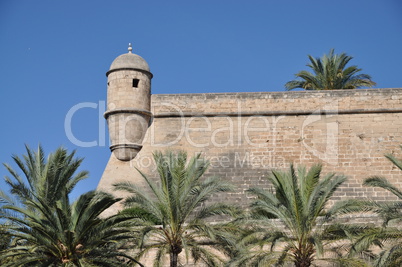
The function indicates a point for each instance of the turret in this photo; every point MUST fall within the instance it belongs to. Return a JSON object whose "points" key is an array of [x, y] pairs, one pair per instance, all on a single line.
{"points": [[128, 104]]}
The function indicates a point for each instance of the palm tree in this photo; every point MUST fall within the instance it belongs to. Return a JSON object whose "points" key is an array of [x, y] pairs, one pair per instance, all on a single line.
{"points": [[172, 219], [330, 72], [5, 241], [391, 214], [47, 229], [5, 237], [290, 222]]}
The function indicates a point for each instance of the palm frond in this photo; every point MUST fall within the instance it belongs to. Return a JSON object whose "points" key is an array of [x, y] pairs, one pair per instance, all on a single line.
{"points": [[293, 216], [179, 204], [46, 228], [330, 72]]}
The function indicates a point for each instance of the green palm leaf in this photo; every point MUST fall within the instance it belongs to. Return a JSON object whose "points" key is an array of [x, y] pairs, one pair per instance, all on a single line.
{"points": [[47, 229], [330, 72], [387, 238], [174, 218], [289, 223]]}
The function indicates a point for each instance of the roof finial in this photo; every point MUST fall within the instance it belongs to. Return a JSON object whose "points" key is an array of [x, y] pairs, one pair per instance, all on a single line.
{"points": [[130, 48]]}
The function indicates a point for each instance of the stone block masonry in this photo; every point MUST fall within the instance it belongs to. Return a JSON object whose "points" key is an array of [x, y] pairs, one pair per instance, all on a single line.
{"points": [[245, 135]]}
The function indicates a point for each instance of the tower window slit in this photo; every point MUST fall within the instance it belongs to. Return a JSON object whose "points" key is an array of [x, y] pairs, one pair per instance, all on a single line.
{"points": [[135, 83]]}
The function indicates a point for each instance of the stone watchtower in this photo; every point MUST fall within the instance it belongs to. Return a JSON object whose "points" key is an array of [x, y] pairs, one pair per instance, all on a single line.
{"points": [[128, 104], [128, 116]]}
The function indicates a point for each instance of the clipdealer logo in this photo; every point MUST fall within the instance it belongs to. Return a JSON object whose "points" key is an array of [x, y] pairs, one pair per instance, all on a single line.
{"points": [[318, 133]]}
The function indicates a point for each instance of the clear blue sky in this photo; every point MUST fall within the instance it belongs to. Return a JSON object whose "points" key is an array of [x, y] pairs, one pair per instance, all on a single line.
{"points": [[54, 55]]}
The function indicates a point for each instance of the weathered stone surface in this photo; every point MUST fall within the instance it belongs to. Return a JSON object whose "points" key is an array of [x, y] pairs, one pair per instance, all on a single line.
{"points": [[245, 135]]}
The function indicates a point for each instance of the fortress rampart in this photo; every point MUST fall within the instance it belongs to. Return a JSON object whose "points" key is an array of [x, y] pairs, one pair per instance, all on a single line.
{"points": [[245, 135]]}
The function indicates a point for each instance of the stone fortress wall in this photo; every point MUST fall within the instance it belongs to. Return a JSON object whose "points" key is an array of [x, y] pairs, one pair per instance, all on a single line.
{"points": [[245, 135]]}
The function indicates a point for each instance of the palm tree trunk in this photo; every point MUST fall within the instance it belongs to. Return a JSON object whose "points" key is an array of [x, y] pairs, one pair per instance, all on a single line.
{"points": [[303, 263], [173, 259], [304, 257]]}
